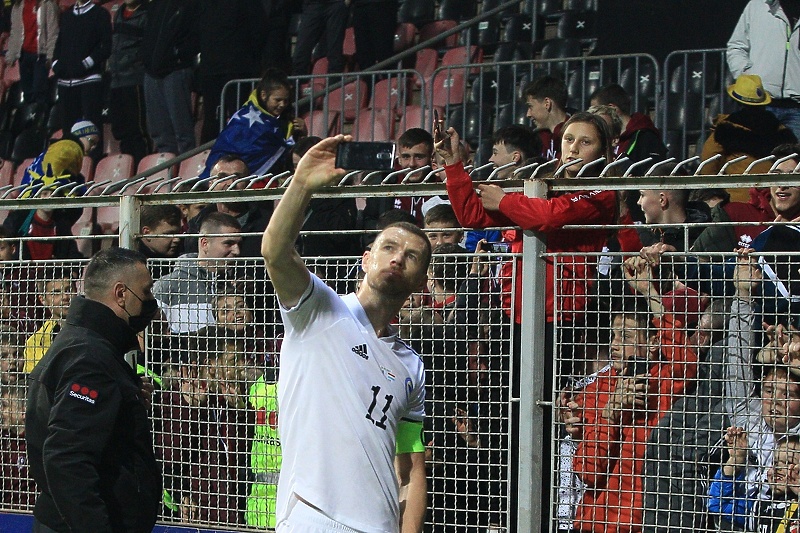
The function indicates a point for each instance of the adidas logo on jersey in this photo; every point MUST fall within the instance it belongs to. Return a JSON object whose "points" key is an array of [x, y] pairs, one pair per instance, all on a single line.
{"points": [[361, 351]]}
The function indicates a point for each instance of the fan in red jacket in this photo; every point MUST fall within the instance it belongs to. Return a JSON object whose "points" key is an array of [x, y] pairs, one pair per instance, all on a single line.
{"points": [[651, 366], [586, 137]]}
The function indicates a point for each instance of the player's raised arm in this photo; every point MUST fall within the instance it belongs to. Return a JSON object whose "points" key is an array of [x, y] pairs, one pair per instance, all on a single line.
{"points": [[316, 169]]}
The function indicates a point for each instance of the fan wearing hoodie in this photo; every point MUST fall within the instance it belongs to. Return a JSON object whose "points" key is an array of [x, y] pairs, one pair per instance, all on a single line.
{"points": [[640, 138]]}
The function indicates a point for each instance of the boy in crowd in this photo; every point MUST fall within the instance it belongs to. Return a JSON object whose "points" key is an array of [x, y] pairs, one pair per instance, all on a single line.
{"points": [[546, 98], [513, 144], [55, 289]]}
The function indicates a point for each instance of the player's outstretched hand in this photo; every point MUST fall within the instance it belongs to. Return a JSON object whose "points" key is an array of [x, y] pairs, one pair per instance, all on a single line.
{"points": [[317, 168]]}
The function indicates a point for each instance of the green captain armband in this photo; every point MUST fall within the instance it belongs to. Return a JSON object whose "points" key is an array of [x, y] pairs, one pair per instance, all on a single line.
{"points": [[409, 437]]}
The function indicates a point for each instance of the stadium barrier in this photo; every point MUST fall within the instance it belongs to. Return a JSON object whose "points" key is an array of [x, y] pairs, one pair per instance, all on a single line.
{"points": [[489, 408]]}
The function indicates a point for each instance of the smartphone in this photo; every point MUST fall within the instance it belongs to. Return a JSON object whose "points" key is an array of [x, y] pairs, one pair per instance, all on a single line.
{"points": [[365, 156], [638, 367], [497, 247], [438, 134]]}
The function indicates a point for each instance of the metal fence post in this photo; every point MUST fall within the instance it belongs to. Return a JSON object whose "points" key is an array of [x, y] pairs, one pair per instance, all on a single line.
{"points": [[129, 221], [532, 352]]}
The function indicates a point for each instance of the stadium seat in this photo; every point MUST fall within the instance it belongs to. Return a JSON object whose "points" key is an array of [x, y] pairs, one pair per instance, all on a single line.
{"points": [[580, 5], [108, 220], [493, 88], [373, 125], [417, 12], [194, 165], [29, 143], [436, 28], [456, 9], [404, 36], [542, 7], [54, 119], [576, 25], [561, 48], [483, 152], [390, 93], [110, 143], [6, 144], [322, 124], [582, 83], [473, 122], [29, 115], [19, 172], [115, 167], [696, 77], [6, 174], [486, 35], [412, 118], [152, 160], [87, 168], [348, 98], [518, 29], [513, 113], [448, 87], [488, 5], [685, 111], [640, 82], [461, 56], [426, 63], [513, 52]]}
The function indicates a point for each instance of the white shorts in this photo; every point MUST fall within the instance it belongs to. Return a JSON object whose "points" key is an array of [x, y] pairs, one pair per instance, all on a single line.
{"points": [[306, 519]]}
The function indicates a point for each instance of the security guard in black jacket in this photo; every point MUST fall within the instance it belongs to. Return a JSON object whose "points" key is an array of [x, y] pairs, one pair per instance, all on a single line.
{"points": [[89, 437]]}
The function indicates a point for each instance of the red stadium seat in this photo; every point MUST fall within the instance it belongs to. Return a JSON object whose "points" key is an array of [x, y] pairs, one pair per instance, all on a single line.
{"points": [[412, 118], [459, 56], [448, 87], [7, 174], [115, 167], [373, 125], [152, 160], [349, 98], [87, 168], [110, 144], [390, 94], [20, 171], [321, 124], [434, 29], [349, 45], [427, 61], [192, 167]]}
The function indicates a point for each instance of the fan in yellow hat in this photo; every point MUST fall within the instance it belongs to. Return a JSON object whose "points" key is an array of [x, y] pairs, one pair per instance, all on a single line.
{"points": [[748, 90]]}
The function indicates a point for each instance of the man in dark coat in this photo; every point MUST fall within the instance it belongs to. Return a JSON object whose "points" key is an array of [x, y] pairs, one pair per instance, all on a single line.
{"points": [[89, 436]]}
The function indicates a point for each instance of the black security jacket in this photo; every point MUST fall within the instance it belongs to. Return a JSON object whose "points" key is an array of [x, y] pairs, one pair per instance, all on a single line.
{"points": [[90, 444]]}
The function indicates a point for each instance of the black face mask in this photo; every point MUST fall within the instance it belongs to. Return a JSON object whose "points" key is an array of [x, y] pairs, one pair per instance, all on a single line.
{"points": [[139, 323]]}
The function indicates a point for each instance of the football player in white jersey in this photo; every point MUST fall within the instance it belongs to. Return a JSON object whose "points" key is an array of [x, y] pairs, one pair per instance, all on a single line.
{"points": [[351, 393]]}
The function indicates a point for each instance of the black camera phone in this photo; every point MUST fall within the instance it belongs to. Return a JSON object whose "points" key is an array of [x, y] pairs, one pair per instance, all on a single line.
{"points": [[638, 367], [365, 156]]}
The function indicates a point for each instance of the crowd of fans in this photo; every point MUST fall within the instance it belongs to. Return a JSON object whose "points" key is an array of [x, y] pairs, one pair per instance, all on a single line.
{"points": [[675, 371]]}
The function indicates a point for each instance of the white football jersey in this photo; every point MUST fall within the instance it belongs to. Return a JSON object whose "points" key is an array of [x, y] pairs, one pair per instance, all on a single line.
{"points": [[342, 392]]}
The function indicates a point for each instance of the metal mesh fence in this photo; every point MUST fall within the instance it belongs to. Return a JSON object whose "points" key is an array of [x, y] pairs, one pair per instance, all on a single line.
{"points": [[213, 356], [676, 393]]}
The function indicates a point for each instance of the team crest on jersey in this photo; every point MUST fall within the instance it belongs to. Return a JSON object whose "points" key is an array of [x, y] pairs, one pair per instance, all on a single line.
{"points": [[388, 374]]}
